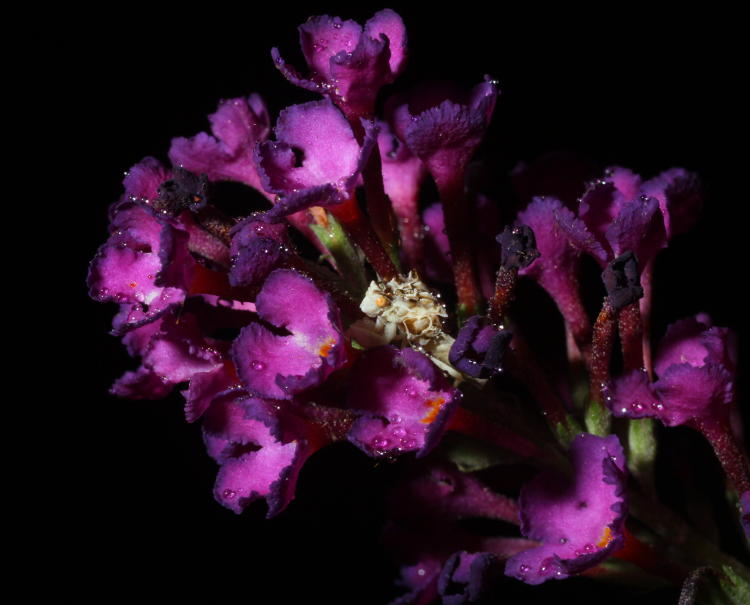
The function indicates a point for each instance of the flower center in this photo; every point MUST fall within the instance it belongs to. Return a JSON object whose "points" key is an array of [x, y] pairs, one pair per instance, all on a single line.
{"points": [[405, 308]]}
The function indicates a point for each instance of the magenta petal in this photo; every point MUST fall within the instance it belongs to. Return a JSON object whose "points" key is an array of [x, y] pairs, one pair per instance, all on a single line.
{"points": [[257, 248], [324, 37], [556, 254], [145, 264], [141, 384], [633, 396], [403, 172], [695, 364], [580, 236], [437, 253], [205, 387], [245, 438], [388, 23], [349, 64], [316, 159], [690, 392], [599, 205], [405, 402], [680, 198], [357, 76], [579, 521], [277, 366], [693, 340], [142, 181], [179, 350], [321, 135], [237, 126], [445, 136], [638, 227], [627, 182]]}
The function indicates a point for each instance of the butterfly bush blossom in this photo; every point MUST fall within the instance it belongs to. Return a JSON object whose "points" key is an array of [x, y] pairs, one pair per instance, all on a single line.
{"points": [[402, 337]]}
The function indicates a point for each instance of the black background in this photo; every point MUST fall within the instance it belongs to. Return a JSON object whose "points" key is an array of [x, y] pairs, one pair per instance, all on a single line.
{"points": [[622, 85]]}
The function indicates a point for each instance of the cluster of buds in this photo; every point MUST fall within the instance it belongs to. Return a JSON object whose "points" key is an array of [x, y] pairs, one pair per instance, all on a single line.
{"points": [[279, 355]]}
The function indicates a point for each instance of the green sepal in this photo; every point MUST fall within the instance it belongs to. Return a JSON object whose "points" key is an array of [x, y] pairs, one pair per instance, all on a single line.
{"points": [[345, 256]]}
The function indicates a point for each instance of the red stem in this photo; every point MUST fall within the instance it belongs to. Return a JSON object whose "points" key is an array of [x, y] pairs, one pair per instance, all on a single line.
{"points": [[505, 290], [631, 337], [730, 454], [601, 350]]}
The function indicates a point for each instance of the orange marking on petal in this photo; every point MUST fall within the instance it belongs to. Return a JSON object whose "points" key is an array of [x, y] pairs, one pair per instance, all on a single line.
{"points": [[606, 538], [133, 284], [326, 347], [435, 406]]}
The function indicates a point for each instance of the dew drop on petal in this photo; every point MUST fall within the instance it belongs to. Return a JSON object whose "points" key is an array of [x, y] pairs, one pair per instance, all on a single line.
{"points": [[257, 365]]}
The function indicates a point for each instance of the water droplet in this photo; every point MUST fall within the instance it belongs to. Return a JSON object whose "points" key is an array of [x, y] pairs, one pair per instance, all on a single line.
{"points": [[420, 572], [229, 494], [399, 432], [257, 365], [395, 419], [524, 568], [588, 548], [563, 540], [380, 442], [546, 566], [637, 407]]}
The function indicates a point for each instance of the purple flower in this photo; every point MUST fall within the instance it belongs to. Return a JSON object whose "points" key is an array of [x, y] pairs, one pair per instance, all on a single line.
{"points": [[306, 345], [404, 400], [580, 520], [347, 63], [437, 249], [172, 350], [479, 348], [443, 125], [144, 265], [260, 450], [620, 212], [403, 174], [237, 126], [610, 223], [695, 364], [257, 249], [315, 160]]}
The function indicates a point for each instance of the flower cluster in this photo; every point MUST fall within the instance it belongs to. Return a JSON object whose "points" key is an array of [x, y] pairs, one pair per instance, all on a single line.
{"points": [[401, 338]]}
